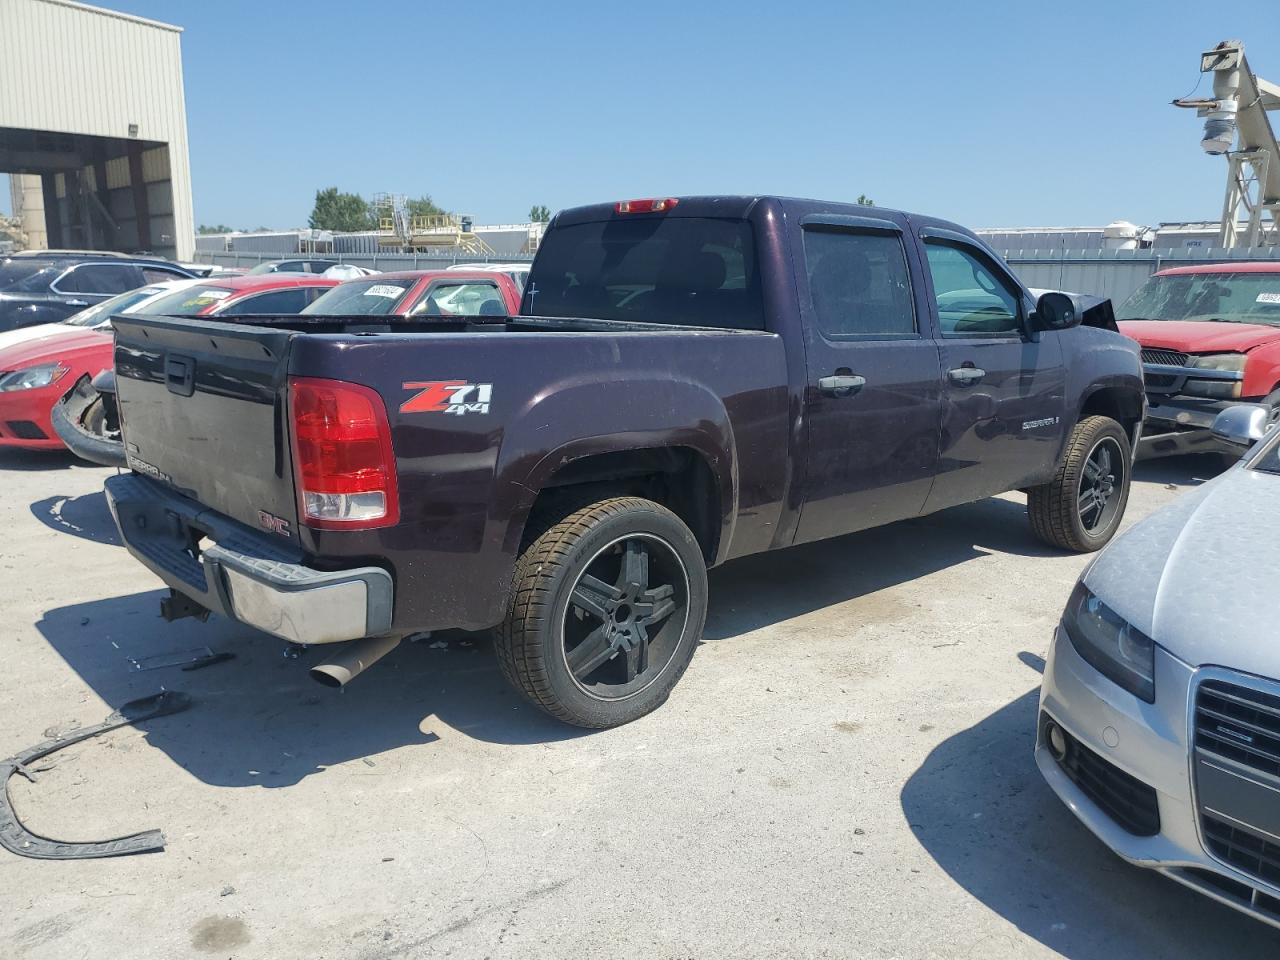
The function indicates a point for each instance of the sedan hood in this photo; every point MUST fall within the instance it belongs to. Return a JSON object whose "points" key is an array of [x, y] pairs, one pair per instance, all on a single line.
{"points": [[49, 349], [38, 332], [1199, 336], [1199, 577]]}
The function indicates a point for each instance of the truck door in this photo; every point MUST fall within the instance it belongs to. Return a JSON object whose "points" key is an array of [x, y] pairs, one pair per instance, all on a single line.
{"points": [[1002, 415], [873, 394]]}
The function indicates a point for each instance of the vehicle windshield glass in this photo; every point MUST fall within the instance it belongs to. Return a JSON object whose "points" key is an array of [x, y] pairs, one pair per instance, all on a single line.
{"points": [[691, 271], [100, 313], [361, 298], [1268, 461], [24, 276], [1238, 297], [188, 302]]}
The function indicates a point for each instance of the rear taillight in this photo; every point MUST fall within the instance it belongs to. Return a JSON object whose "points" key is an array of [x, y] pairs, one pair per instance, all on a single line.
{"points": [[342, 457], [645, 206]]}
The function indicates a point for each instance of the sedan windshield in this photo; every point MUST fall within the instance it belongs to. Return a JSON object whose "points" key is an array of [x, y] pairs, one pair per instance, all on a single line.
{"points": [[1230, 297], [361, 298], [188, 302], [99, 314]]}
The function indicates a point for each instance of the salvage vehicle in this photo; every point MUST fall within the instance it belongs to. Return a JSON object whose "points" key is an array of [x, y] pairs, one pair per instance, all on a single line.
{"points": [[689, 380], [84, 417], [37, 362], [1159, 722], [519, 272], [1210, 337], [430, 293], [47, 289]]}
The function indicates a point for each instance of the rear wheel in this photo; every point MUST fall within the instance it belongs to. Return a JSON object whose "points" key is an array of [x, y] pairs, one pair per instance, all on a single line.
{"points": [[606, 609], [1081, 507]]}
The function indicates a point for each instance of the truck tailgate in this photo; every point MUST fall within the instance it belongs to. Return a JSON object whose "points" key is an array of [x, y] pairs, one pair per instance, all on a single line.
{"points": [[202, 407]]}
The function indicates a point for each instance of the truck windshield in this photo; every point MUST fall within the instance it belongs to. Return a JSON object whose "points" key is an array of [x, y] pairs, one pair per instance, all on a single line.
{"points": [[693, 271], [361, 297], [1233, 297]]}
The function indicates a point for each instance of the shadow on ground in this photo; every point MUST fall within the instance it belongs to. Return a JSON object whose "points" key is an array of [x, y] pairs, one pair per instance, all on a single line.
{"points": [[85, 516], [1190, 470], [980, 808], [260, 719], [14, 459]]}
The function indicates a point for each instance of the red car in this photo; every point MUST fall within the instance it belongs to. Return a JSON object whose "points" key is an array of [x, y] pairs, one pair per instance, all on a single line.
{"points": [[423, 293], [35, 374], [1210, 337]]}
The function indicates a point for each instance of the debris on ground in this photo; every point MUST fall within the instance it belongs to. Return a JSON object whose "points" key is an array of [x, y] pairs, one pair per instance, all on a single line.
{"points": [[16, 838], [208, 661], [172, 659]]}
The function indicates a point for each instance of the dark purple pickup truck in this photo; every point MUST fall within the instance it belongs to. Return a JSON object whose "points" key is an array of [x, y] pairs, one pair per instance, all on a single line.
{"points": [[690, 380]]}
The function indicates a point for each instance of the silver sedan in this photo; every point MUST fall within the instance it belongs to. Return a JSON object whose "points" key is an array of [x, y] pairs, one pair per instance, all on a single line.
{"points": [[1159, 722]]}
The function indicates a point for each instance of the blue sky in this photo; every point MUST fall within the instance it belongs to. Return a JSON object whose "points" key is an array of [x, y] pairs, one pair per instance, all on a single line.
{"points": [[992, 114]]}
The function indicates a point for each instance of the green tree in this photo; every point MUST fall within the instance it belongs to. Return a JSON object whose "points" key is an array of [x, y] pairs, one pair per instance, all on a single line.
{"points": [[865, 201], [214, 228], [339, 211], [424, 206], [540, 214]]}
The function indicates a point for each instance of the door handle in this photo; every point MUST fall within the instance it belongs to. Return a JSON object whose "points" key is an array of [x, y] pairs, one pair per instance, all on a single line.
{"points": [[966, 376], [841, 385]]}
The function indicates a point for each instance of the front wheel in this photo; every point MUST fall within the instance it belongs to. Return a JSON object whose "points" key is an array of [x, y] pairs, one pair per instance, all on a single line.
{"points": [[606, 609], [1081, 507]]}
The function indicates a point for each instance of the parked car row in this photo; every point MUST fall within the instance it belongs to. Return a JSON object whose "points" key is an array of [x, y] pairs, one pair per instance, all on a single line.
{"points": [[39, 362]]}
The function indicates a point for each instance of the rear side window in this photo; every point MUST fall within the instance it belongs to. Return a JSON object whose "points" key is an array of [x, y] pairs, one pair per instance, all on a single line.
{"points": [[161, 274], [277, 301], [859, 284], [461, 300], [693, 271], [99, 278], [972, 300]]}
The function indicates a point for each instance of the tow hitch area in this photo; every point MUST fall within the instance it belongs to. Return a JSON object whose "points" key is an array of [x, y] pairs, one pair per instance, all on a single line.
{"points": [[16, 838]]}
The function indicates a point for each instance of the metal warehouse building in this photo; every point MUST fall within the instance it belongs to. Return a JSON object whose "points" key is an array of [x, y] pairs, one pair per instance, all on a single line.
{"points": [[93, 127]]}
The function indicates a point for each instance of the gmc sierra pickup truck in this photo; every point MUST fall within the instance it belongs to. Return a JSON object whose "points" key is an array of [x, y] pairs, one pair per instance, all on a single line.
{"points": [[689, 380]]}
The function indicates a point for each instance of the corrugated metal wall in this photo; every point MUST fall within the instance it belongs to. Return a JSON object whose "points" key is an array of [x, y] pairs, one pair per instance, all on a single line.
{"points": [[66, 68], [1114, 273]]}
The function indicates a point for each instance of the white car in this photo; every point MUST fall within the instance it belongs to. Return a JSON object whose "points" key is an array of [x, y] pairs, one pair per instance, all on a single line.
{"points": [[97, 316], [1159, 722]]}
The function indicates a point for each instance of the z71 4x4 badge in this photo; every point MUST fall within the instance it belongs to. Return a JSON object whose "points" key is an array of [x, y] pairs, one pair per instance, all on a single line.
{"points": [[448, 396]]}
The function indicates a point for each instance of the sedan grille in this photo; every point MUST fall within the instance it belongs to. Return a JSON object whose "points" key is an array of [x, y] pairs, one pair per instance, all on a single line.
{"points": [[1239, 723], [1236, 731], [1169, 358]]}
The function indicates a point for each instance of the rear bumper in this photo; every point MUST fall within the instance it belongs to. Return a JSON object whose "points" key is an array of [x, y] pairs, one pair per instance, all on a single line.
{"points": [[1176, 425], [243, 574]]}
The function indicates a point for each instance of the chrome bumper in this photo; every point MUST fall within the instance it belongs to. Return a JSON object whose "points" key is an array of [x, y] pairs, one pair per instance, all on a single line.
{"points": [[245, 575]]}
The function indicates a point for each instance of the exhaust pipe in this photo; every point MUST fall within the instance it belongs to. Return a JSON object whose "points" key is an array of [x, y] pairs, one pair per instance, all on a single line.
{"points": [[352, 660]]}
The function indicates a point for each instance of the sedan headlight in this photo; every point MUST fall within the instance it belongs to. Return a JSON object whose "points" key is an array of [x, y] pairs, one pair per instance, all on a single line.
{"points": [[1115, 648], [32, 377]]}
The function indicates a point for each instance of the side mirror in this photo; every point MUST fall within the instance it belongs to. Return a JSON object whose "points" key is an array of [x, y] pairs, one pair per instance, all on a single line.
{"points": [[1057, 311], [1242, 423]]}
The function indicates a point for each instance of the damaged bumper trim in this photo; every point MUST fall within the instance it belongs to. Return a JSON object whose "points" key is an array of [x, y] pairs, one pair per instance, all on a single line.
{"points": [[16, 838], [245, 575], [67, 418]]}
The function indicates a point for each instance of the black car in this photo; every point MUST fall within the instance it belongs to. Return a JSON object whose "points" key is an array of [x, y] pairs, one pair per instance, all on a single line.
{"points": [[35, 289]]}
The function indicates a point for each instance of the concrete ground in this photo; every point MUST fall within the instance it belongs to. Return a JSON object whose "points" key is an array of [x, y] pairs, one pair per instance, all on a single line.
{"points": [[845, 771]]}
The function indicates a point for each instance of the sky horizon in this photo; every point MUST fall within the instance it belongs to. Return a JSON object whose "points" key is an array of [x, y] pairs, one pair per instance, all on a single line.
{"points": [[994, 115]]}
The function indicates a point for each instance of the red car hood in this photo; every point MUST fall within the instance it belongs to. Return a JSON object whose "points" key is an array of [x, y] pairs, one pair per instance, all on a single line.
{"points": [[1199, 336], [52, 349]]}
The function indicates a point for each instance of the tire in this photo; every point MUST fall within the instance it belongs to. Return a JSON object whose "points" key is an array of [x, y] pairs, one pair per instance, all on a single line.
{"points": [[1056, 508], [578, 598]]}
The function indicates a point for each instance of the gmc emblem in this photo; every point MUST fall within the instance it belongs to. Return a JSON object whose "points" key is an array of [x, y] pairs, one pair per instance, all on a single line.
{"points": [[271, 522]]}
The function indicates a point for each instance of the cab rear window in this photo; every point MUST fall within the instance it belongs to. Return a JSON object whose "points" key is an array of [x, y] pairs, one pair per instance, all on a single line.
{"points": [[690, 271]]}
